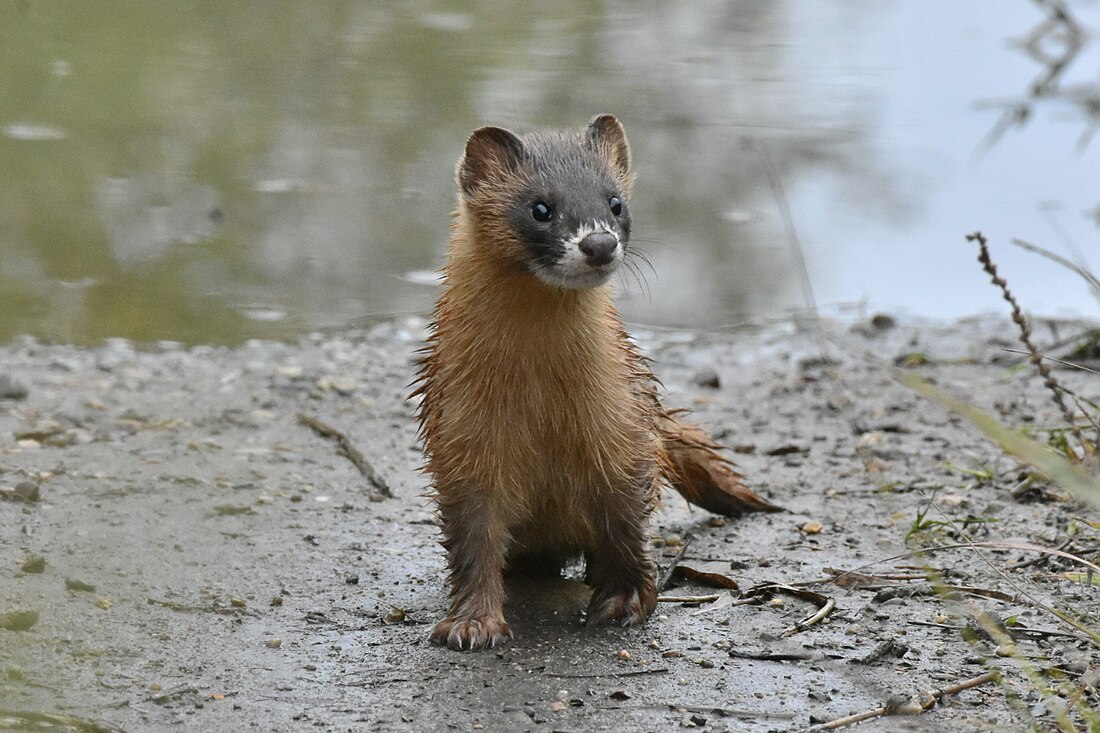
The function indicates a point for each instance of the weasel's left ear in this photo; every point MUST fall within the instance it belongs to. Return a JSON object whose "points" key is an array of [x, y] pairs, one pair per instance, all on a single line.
{"points": [[607, 137]]}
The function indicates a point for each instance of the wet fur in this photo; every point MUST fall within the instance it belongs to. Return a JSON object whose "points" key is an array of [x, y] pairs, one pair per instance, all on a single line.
{"points": [[544, 435]]}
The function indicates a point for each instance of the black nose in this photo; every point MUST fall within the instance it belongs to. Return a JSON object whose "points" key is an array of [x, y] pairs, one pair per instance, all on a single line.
{"points": [[599, 248]]}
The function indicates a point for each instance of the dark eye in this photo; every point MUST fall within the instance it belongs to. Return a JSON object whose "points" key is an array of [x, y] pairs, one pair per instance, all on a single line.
{"points": [[541, 211], [616, 205]]}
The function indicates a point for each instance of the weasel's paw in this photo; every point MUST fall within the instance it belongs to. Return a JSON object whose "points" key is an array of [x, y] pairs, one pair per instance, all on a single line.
{"points": [[626, 607], [470, 633]]}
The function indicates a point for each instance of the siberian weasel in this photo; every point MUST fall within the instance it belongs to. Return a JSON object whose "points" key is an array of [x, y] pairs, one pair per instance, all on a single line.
{"points": [[541, 423]]}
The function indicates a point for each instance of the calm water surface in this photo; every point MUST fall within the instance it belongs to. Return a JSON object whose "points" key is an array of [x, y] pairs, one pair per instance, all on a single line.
{"points": [[218, 171]]}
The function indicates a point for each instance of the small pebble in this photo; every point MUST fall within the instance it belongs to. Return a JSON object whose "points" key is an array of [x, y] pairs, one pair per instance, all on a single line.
{"points": [[706, 377], [812, 527], [10, 389], [882, 322]]}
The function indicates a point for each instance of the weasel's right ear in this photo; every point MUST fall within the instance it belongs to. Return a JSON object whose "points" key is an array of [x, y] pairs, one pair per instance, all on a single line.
{"points": [[489, 151]]}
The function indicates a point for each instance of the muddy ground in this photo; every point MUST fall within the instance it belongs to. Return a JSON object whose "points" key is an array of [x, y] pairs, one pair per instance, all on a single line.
{"points": [[191, 556]]}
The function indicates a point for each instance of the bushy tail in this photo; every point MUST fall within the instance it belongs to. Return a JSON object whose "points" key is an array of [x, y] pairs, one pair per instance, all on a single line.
{"points": [[696, 469]]}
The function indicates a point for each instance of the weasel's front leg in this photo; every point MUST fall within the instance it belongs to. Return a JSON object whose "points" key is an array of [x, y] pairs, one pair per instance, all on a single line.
{"points": [[619, 567], [476, 542]]}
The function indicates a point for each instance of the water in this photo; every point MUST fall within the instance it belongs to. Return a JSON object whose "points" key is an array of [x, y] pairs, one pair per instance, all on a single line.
{"points": [[214, 172]]}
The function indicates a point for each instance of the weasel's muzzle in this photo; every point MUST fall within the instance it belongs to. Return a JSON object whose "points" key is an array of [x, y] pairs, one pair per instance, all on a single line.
{"points": [[599, 248]]}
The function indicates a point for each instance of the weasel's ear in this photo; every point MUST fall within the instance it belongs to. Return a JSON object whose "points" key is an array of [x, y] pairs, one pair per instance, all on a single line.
{"points": [[607, 137], [489, 151]]}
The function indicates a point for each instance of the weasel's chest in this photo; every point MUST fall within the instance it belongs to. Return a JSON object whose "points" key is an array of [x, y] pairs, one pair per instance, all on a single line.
{"points": [[531, 420]]}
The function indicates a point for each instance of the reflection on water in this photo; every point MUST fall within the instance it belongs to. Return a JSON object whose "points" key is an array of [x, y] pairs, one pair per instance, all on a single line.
{"points": [[1053, 44], [256, 169]]}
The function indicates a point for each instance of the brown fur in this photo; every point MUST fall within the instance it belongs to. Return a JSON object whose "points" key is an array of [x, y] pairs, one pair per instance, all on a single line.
{"points": [[540, 421]]}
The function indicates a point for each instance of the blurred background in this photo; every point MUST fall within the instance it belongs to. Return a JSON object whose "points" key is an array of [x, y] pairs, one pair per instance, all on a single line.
{"points": [[211, 172]]}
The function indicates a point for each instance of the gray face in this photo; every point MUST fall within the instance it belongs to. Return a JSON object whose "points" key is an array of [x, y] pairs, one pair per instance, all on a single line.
{"points": [[571, 214]]}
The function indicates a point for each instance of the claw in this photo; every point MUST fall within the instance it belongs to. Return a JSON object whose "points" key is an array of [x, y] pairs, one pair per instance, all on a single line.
{"points": [[470, 632]]}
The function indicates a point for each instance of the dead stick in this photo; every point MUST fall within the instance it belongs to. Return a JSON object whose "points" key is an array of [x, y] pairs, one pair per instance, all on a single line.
{"points": [[598, 675], [689, 599], [945, 627], [721, 712], [667, 574], [935, 696], [896, 707], [1064, 547], [804, 624], [349, 451]]}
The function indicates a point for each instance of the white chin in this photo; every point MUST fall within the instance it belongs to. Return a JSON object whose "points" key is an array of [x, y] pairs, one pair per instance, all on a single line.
{"points": [[592, 277]]}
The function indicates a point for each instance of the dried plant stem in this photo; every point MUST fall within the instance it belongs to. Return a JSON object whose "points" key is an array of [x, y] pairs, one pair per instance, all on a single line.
{"points": [[672, 565], [829, 607], [1025, 330], [900, 706], [1092, 280], [689, 599], [1063, 362], [349, 451]]}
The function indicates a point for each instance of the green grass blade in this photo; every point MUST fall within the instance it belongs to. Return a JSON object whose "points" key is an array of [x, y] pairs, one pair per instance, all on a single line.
{"points": [[1073, 478]]}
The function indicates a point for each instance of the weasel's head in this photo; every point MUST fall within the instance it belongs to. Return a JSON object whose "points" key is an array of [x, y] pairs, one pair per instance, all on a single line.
{"points": [[554, 204]]}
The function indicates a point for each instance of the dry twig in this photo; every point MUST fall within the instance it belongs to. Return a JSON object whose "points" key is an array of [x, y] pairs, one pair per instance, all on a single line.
{"points": [[772, 656], [672, 564], [720, 712], [598, 675], [829, 607], [901, 706], [689, 599], [349, 451], [1063, 362], [1092, 280], [1064, 547], [765, 591]]}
